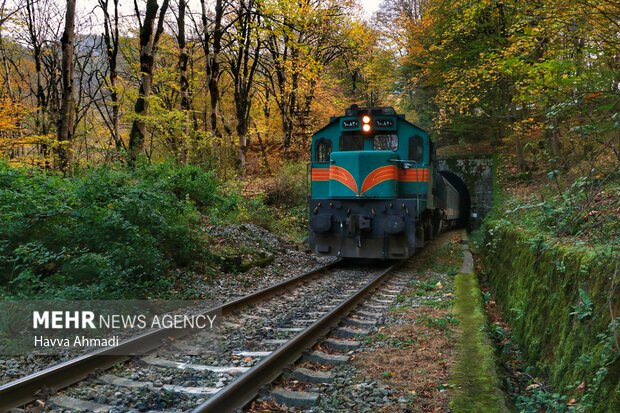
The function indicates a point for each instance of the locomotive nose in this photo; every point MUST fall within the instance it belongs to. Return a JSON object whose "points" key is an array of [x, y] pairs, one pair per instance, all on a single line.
{"points": [[356, 174]]}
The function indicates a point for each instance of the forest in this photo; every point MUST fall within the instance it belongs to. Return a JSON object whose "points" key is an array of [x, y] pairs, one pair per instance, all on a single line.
{"points": [[226, 94], [151, 148], [231, 91], [239, 85]]}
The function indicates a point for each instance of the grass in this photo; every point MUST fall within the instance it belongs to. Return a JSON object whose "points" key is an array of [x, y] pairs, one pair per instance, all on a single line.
{"points": [[440, 323], [475, 377]]}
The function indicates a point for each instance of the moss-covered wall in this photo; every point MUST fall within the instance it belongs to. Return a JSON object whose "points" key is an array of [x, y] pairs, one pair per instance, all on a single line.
{"points": [[537, 284]]}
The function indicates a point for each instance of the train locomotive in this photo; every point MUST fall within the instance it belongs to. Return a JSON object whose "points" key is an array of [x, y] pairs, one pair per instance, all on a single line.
{"points": [[375, 191]]}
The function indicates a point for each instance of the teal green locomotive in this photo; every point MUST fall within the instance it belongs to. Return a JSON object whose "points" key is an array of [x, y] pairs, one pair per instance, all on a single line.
{"points": [[375, 191]]}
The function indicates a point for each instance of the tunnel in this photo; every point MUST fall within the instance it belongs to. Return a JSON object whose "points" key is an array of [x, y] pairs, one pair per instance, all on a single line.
{"points": [[464, 198]]}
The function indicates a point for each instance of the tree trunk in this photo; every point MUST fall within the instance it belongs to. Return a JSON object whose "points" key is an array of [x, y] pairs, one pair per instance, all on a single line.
{"points": [[33, 32], [111, 39], [183, 81], [289, 124], [148, 47], [205, 40], [554, 143], [243, 61], [521, 162], [5, 66], [214, 65], [242, 108], [67, 114], [263, 151]]}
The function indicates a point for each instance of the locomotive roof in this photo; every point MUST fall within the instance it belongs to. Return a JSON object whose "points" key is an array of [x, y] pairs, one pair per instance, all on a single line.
{"points": [[355, 110]]}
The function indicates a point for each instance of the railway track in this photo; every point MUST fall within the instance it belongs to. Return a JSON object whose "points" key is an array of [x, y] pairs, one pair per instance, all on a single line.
{"points": [[264, 333]]}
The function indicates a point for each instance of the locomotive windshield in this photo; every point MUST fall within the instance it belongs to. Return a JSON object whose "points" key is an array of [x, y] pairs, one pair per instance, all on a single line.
{"points": [[351, 142], [355, 142], [385, 143]]}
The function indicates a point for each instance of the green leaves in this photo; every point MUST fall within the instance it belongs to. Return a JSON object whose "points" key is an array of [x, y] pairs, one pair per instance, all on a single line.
{"points": [[584, 308], [103, 233]]}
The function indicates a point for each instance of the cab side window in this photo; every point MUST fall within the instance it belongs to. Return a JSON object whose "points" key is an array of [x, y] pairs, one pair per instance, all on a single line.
{"points": [[322, 150], [416, 149]]}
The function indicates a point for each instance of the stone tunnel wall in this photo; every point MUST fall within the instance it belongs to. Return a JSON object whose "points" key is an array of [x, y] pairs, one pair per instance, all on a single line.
{"points": [[476, 171]]}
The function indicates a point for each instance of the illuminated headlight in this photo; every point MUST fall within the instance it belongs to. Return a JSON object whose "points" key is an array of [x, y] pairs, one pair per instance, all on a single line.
{"points": [[366, 127], [366, 119]]}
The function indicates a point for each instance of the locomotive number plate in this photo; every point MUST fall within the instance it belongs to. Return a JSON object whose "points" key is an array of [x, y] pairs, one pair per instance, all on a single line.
{"points": [[384, 123]]}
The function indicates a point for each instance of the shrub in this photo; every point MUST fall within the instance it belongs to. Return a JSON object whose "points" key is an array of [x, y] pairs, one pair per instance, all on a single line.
{"points": [[186, 183], [290, 186], [104, 233]]}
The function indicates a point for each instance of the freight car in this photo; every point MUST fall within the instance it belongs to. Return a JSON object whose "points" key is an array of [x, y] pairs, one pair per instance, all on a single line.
{"points": [[375, 190]]}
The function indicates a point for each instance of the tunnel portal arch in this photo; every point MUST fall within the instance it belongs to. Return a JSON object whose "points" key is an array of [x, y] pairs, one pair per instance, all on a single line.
{"points": [[474, 172], [464, 197]]}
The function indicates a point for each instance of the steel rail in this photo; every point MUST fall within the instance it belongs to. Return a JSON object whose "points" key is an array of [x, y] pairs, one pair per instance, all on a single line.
{"points": [[50, 380], [244, 389]]}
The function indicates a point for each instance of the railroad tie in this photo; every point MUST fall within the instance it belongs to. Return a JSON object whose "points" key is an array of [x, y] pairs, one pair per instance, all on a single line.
{"points": [[348, 332], [275, 341], [71, 403], [66, 402], [290, 329], [253, 354], [325, 358], [359, 323], [373, 307], [301, 321], [381, 301], [341, 345], [133, 384], [368, 314], [159, 362], [311, 376], [298, 399]]}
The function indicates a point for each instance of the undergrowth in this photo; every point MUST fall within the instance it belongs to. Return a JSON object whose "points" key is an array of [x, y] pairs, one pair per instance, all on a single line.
{"points": [[111, 232], [584, 211]]}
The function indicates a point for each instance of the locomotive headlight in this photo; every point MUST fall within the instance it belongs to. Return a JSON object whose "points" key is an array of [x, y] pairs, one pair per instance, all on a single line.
{"points": [[366, 120], [366, 127]]}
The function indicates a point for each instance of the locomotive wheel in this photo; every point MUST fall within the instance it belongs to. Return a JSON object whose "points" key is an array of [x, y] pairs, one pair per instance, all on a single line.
{"points": [[426, 221], [419, 234], [438, 218], [439, 227], [428, 230]]}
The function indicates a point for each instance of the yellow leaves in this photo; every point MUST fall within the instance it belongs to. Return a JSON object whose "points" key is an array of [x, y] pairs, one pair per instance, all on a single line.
{"points": [[11, 114]]}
